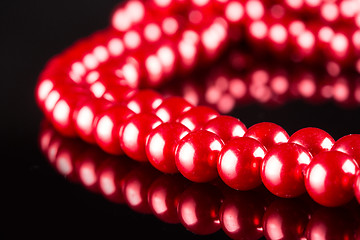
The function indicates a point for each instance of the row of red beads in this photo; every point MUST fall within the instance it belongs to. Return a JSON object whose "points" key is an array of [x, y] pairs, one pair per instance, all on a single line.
{"points": [[87, 91], [201, 208]]}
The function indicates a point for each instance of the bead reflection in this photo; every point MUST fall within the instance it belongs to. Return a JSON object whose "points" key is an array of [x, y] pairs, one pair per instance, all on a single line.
{"points": [[200, 208]]}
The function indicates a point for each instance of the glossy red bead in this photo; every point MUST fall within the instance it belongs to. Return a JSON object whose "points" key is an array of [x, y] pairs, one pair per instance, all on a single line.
{"points": [[171, 108], [241, 215], [85, 115], [68, 153], [112, 172], [197, 155], [197, 117], [163, 196], [285, 219], [269, 134], [239, 163], [62, 112], [118, 93], [313, 139], [42, 90], [349, 144], [282, 169], [136, 185], [226, 127], [332, 223], [357, 187], [134, 132], [87, 168], [107, 128], [329, 178], [161, 145], [198, 209], [144, 101]]}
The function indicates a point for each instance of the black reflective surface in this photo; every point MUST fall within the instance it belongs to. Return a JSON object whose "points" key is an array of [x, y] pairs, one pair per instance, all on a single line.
{"points": [[35, 199]]}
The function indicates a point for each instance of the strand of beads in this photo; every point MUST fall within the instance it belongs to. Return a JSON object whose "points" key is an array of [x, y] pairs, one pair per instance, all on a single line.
{"points": [[91, 91], [172, 199]]}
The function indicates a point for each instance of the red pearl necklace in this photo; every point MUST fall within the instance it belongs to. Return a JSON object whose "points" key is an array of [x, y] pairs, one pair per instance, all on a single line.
{"points": [[201, 208], [90, 91]]}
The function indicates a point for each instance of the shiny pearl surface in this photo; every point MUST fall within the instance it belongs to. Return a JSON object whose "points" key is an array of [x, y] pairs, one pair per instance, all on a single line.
{"points": [[313, 139], [118, 93], [111, 175], [197, 117], [171, 108], [241, 215], [161, 144], [198, 209], [85, 115], [163, 196], [350, 145], [329, 178], [69, 150], [357, 187], [269, 134], [331, 223], [87, 168], [197, 154], [134, 132], [144, 101], [136, 185], [282, 169], [285, 219], [239, 163], [63, 110], [226, 127], [107, 128]]}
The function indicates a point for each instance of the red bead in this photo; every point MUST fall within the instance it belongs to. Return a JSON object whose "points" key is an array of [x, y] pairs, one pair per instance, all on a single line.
{"points": [[163, 196], [285, 219], [313, 139], [357, 187], [282, 169], [330, 177], [171, 108], [332, 223], [112, 171], [198, 209], [350, 145], [269, 134], [161, 144], [197, 117], [136, 185], [84, 117], [68, 152], [87, 168], [46, 133], [63, 110], [144, 101], [107, 128], [42, 90], [239, 163], [118, 93], [134, 132], [226, 127], [241, 215], [197, 154]]}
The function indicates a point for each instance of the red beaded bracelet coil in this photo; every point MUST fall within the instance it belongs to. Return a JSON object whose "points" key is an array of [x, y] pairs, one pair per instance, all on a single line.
{"points": [[91, 91]]}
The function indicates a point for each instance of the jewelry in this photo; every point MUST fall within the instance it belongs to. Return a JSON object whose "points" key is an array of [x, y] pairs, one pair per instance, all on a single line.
{"points": [[91, 91], [200, 208]]}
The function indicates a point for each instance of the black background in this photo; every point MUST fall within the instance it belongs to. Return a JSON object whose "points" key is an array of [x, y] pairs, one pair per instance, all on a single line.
{"points": [[36, 201]]}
